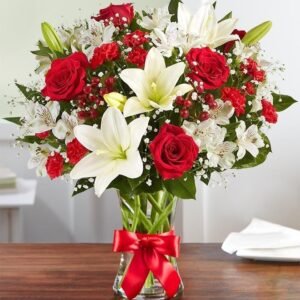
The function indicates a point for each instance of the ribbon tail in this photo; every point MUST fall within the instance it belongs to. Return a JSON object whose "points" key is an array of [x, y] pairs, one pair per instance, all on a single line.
{"points": [[135, 277], [164, 271]]}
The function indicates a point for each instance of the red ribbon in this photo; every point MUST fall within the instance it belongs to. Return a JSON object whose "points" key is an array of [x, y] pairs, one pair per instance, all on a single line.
{"points": [[149, 254]]}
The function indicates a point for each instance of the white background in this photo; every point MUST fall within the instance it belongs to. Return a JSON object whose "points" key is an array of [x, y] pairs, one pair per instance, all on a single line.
{"points": [[271, 191]]}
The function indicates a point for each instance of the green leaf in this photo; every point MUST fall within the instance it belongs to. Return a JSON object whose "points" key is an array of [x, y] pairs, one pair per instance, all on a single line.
{"points": [[29, 94], [15, 120], [231, 134], [173, 9], [228, 16], [183, 188], [81, 186], [249, 161], [282, 102], [215, 4], [257, 33]]}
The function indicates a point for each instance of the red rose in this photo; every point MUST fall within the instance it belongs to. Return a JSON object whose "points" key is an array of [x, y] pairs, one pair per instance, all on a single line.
{"points": [[269, 112], [43, 135], [55, 165], [135, 39], [75, 151], [66, 77], [228, 46], [237, 99], [106, 52], [250, 88], [173, 152], [117, 14], [137, 57], [209, 67]]}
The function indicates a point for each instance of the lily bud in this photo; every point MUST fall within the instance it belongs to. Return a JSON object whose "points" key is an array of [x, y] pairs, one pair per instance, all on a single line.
{"points": [[257, 33], [115, 100], [51, 38]]}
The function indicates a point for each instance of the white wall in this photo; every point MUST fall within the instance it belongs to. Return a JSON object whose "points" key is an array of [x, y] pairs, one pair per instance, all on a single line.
{"points": [[271, 191]]}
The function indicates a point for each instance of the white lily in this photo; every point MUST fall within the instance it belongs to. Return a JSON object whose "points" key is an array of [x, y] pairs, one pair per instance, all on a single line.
{"points": [[221, 153], [204, 28], [40, 118], [155, 86], [248, 140], [64, 129], [156, 18], [222, 114], [114, 149]]}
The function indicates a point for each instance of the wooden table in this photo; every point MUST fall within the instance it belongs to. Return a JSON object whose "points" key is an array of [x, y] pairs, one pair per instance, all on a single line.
{"points": [[71, 272]]}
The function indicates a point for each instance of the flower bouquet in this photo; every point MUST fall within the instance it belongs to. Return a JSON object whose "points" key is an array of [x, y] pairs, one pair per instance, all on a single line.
{"points": [[146, 103]]}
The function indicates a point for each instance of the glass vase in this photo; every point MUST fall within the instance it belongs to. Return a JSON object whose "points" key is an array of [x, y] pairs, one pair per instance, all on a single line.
{"points": [[148, 213]]}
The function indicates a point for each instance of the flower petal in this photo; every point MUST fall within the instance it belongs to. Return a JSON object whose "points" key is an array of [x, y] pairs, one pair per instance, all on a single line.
{"points": [[103, 181], [137, 129], [132, 167], [184, 18], [134, 107], [60, 130], [182, 89], [226, 27], [154, 65]]}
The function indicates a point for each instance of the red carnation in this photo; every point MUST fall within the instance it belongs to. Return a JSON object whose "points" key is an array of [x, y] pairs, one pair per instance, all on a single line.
{"points": [[259, 75], [135, 39], [66, 77], [252, 69], [208, 67], [106, 52], [173, 152], [75, 151], [119, 15], [269, 112], [250, 88], [43, 135], [137, 57], [55, 165], [237, 99], [228, 46]]}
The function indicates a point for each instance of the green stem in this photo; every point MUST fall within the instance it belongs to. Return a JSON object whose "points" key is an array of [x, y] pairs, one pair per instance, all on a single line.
{"points": [[137, 208]]}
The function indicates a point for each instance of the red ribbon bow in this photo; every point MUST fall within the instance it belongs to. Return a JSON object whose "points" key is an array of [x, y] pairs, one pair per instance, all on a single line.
{"points": [[150, 252]]}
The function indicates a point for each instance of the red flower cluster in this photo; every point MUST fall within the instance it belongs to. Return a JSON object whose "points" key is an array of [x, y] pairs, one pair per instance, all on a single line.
{"points": [[43, 135], [119, 15], [55, 165], [104, 53], [66, 77], [173, 152], [135, 39], [250, 88], [252, 69], [137, 57], [208, 67], [237, 99], [75, 151], [269, 112]]}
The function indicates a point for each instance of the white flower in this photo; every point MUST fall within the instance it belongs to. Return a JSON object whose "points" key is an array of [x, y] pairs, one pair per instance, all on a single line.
{"points": [[248, 140], [264, 91], [155, 86], [39, 118], [244, 52], [156, 18], [204, 133], [203, 28], [222, 113], [221, 153], [39, 157], [114, 149], [64, 129]]}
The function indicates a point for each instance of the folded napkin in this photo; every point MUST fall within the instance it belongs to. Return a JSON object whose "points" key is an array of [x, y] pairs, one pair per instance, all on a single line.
{"points": [[264, 240]]}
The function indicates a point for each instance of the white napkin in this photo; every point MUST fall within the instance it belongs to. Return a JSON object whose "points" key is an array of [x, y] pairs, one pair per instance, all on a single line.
{"points": [[264, 240]]}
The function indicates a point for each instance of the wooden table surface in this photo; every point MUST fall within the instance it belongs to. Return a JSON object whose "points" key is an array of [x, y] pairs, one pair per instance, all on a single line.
{"points": [[71, 272]]}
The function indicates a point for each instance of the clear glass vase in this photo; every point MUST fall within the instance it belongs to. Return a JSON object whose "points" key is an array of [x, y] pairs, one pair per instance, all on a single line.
{"points": [[149, 214]]}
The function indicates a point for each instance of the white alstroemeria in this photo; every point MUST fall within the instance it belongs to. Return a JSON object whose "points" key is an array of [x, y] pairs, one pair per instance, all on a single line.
{"points": [[39, 157], [156, 18], [204, 133], [221, 153], [248, 140], [166, 41], [39, 118], [114, 149], [264, 91], [244, 52], [155, 86], [64, 129], [222, 114], [204, 27]]}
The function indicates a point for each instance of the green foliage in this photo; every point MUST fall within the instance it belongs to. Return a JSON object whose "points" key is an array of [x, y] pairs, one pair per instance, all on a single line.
{"points": [[249, 161], [228, 16], [257, 33], [183, 188], [15, 120], [30, 94], [173, 9], [81, 186], [282, 102]]}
